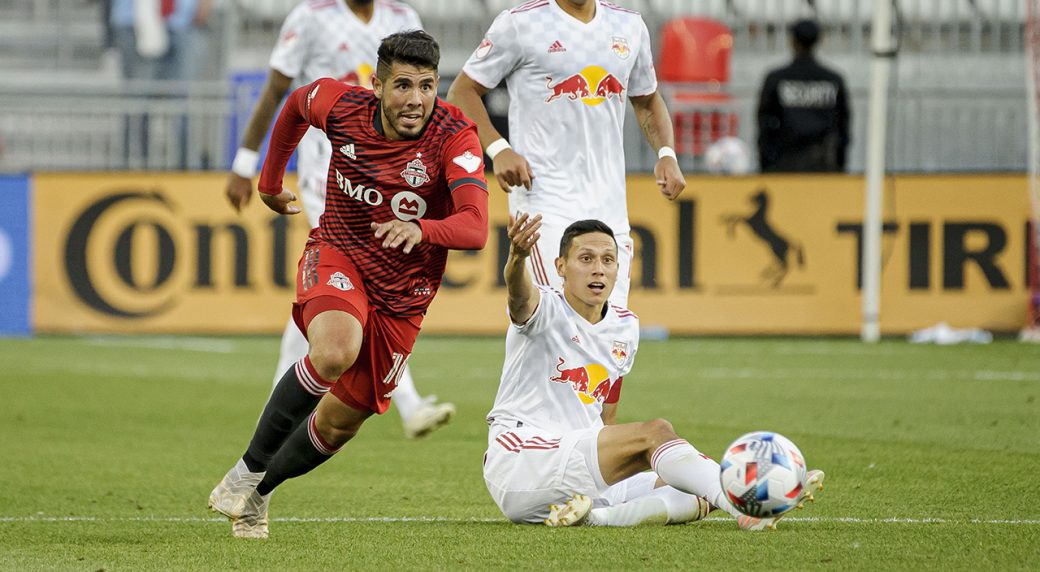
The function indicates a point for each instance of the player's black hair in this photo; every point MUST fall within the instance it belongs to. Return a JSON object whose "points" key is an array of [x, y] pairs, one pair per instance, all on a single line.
{"points": [[583, 227], [805, 33], [414, 47]]}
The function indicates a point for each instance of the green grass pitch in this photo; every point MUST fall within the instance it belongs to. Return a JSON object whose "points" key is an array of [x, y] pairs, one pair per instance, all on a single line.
{"points": [[109, 447]]}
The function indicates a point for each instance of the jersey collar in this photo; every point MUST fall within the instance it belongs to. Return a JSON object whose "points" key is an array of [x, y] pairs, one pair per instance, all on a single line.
{"points": [[554, 4]]}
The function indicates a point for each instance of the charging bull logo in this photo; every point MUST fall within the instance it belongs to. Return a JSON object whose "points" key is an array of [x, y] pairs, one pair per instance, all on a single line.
{"points": [[590, 382], [361, 76], [579, 86]]}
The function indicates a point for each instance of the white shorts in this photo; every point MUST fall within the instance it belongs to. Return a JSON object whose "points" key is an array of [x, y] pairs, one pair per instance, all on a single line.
{"points": [[528, 469]]}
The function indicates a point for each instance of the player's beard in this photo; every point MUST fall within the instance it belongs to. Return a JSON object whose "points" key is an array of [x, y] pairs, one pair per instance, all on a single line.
{"points": [[394, 124]]}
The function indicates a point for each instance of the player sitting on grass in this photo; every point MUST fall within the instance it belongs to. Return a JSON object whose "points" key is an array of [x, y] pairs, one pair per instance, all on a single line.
{"points": [[554, 453]]}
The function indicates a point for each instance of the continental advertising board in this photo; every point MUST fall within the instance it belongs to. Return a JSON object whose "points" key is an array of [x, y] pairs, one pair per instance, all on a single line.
{"points": [[751, 255]]}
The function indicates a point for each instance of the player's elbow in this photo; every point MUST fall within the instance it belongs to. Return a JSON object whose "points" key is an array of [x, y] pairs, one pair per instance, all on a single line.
{"points": [[480, 239]]}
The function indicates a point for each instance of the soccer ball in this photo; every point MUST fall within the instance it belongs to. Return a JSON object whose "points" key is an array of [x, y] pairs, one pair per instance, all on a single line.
{"points": [[763, 474], [728, 156]]}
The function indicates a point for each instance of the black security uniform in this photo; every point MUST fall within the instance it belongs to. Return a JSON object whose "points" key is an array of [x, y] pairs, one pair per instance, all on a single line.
{"points": [[803, 119]]}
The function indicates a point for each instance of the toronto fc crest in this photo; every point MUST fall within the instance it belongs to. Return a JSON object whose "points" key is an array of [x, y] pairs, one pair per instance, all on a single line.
{"points": [[340, 281], [415, 172]]}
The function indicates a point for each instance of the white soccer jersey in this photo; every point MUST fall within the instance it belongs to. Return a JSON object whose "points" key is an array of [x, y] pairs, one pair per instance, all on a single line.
{"points": [[568, 83], [324, 38], [560, 369]]}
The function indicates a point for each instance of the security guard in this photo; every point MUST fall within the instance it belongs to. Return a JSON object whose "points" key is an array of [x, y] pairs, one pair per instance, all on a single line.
{"points": [[803, 111]]}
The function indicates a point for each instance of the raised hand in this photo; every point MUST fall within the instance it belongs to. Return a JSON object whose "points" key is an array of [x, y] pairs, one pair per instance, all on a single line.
{"points": [[523, 233]]}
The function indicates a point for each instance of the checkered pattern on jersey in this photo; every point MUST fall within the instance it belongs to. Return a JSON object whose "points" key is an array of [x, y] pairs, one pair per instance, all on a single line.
{"points": [[368, 182], [323, 38], [540, 23], [553, 65]]}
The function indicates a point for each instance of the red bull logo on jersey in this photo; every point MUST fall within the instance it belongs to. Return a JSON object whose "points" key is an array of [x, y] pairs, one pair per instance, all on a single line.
{"points": [[619, 352], [592, 85], [591, 382], [362, 76], [619, 46]]}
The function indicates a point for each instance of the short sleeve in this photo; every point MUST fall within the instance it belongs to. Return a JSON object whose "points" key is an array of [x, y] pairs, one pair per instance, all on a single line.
{"points": [[643, 80], [291, 51], [498, 54], [543, 315], [627, 367]]}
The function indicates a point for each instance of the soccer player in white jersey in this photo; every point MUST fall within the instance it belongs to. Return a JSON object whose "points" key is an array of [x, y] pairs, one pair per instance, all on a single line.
{"points": [[339, 39], [555, 454], [569, 65]]}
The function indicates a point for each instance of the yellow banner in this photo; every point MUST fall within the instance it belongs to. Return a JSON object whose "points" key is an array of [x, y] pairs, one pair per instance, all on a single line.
{"points": [[158, 252], [748, 255], [780, 254]]}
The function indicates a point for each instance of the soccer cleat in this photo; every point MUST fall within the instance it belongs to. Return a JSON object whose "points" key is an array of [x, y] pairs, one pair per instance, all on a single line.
{"points": [[428, 417], [231, 494], [252, 523], [574, 512], [813, 484]]}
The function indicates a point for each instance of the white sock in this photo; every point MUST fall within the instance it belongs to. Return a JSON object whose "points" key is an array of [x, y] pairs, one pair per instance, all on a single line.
{"points": [[406, 397], [664, 505], [685, 468], [294, 347]]}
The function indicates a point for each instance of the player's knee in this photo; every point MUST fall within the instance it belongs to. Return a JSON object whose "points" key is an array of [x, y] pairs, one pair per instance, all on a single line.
{"points": [[331, 360], [658, 431]]}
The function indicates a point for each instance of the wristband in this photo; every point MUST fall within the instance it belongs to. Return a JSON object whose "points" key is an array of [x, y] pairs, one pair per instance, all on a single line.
{"points": [[666, 152], [496, 147], [245, 163]]}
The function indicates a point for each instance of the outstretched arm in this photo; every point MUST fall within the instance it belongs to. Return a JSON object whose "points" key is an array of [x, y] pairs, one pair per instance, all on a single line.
{"points": [[239, 187], [511, 168], [656, 123], [523, 295]]}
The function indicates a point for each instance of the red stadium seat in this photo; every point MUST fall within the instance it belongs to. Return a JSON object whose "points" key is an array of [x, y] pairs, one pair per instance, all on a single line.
{"points": [[694, 50], [693, 68]]}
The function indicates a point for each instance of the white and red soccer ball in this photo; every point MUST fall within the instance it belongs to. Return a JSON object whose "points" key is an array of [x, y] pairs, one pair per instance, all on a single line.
{"points": [[763, 474]]}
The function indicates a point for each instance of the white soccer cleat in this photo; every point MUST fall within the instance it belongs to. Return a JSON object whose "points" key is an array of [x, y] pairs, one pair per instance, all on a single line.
{"points": [[574, 512], [252, 523], [813, 484], [428, 417], [231, 494]]}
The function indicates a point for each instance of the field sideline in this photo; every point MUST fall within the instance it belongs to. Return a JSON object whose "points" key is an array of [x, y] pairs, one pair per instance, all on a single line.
{"points": [[111, 444]]}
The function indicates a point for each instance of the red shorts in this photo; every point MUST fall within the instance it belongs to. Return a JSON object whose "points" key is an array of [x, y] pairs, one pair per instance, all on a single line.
{"points": [[327, 280]]}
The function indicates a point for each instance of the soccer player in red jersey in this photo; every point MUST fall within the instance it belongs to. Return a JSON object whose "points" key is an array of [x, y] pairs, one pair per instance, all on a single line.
{"points": [[406, 183]]}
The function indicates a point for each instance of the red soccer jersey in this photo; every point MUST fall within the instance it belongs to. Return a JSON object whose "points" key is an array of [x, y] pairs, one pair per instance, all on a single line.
{"points": [[436, 180]]}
